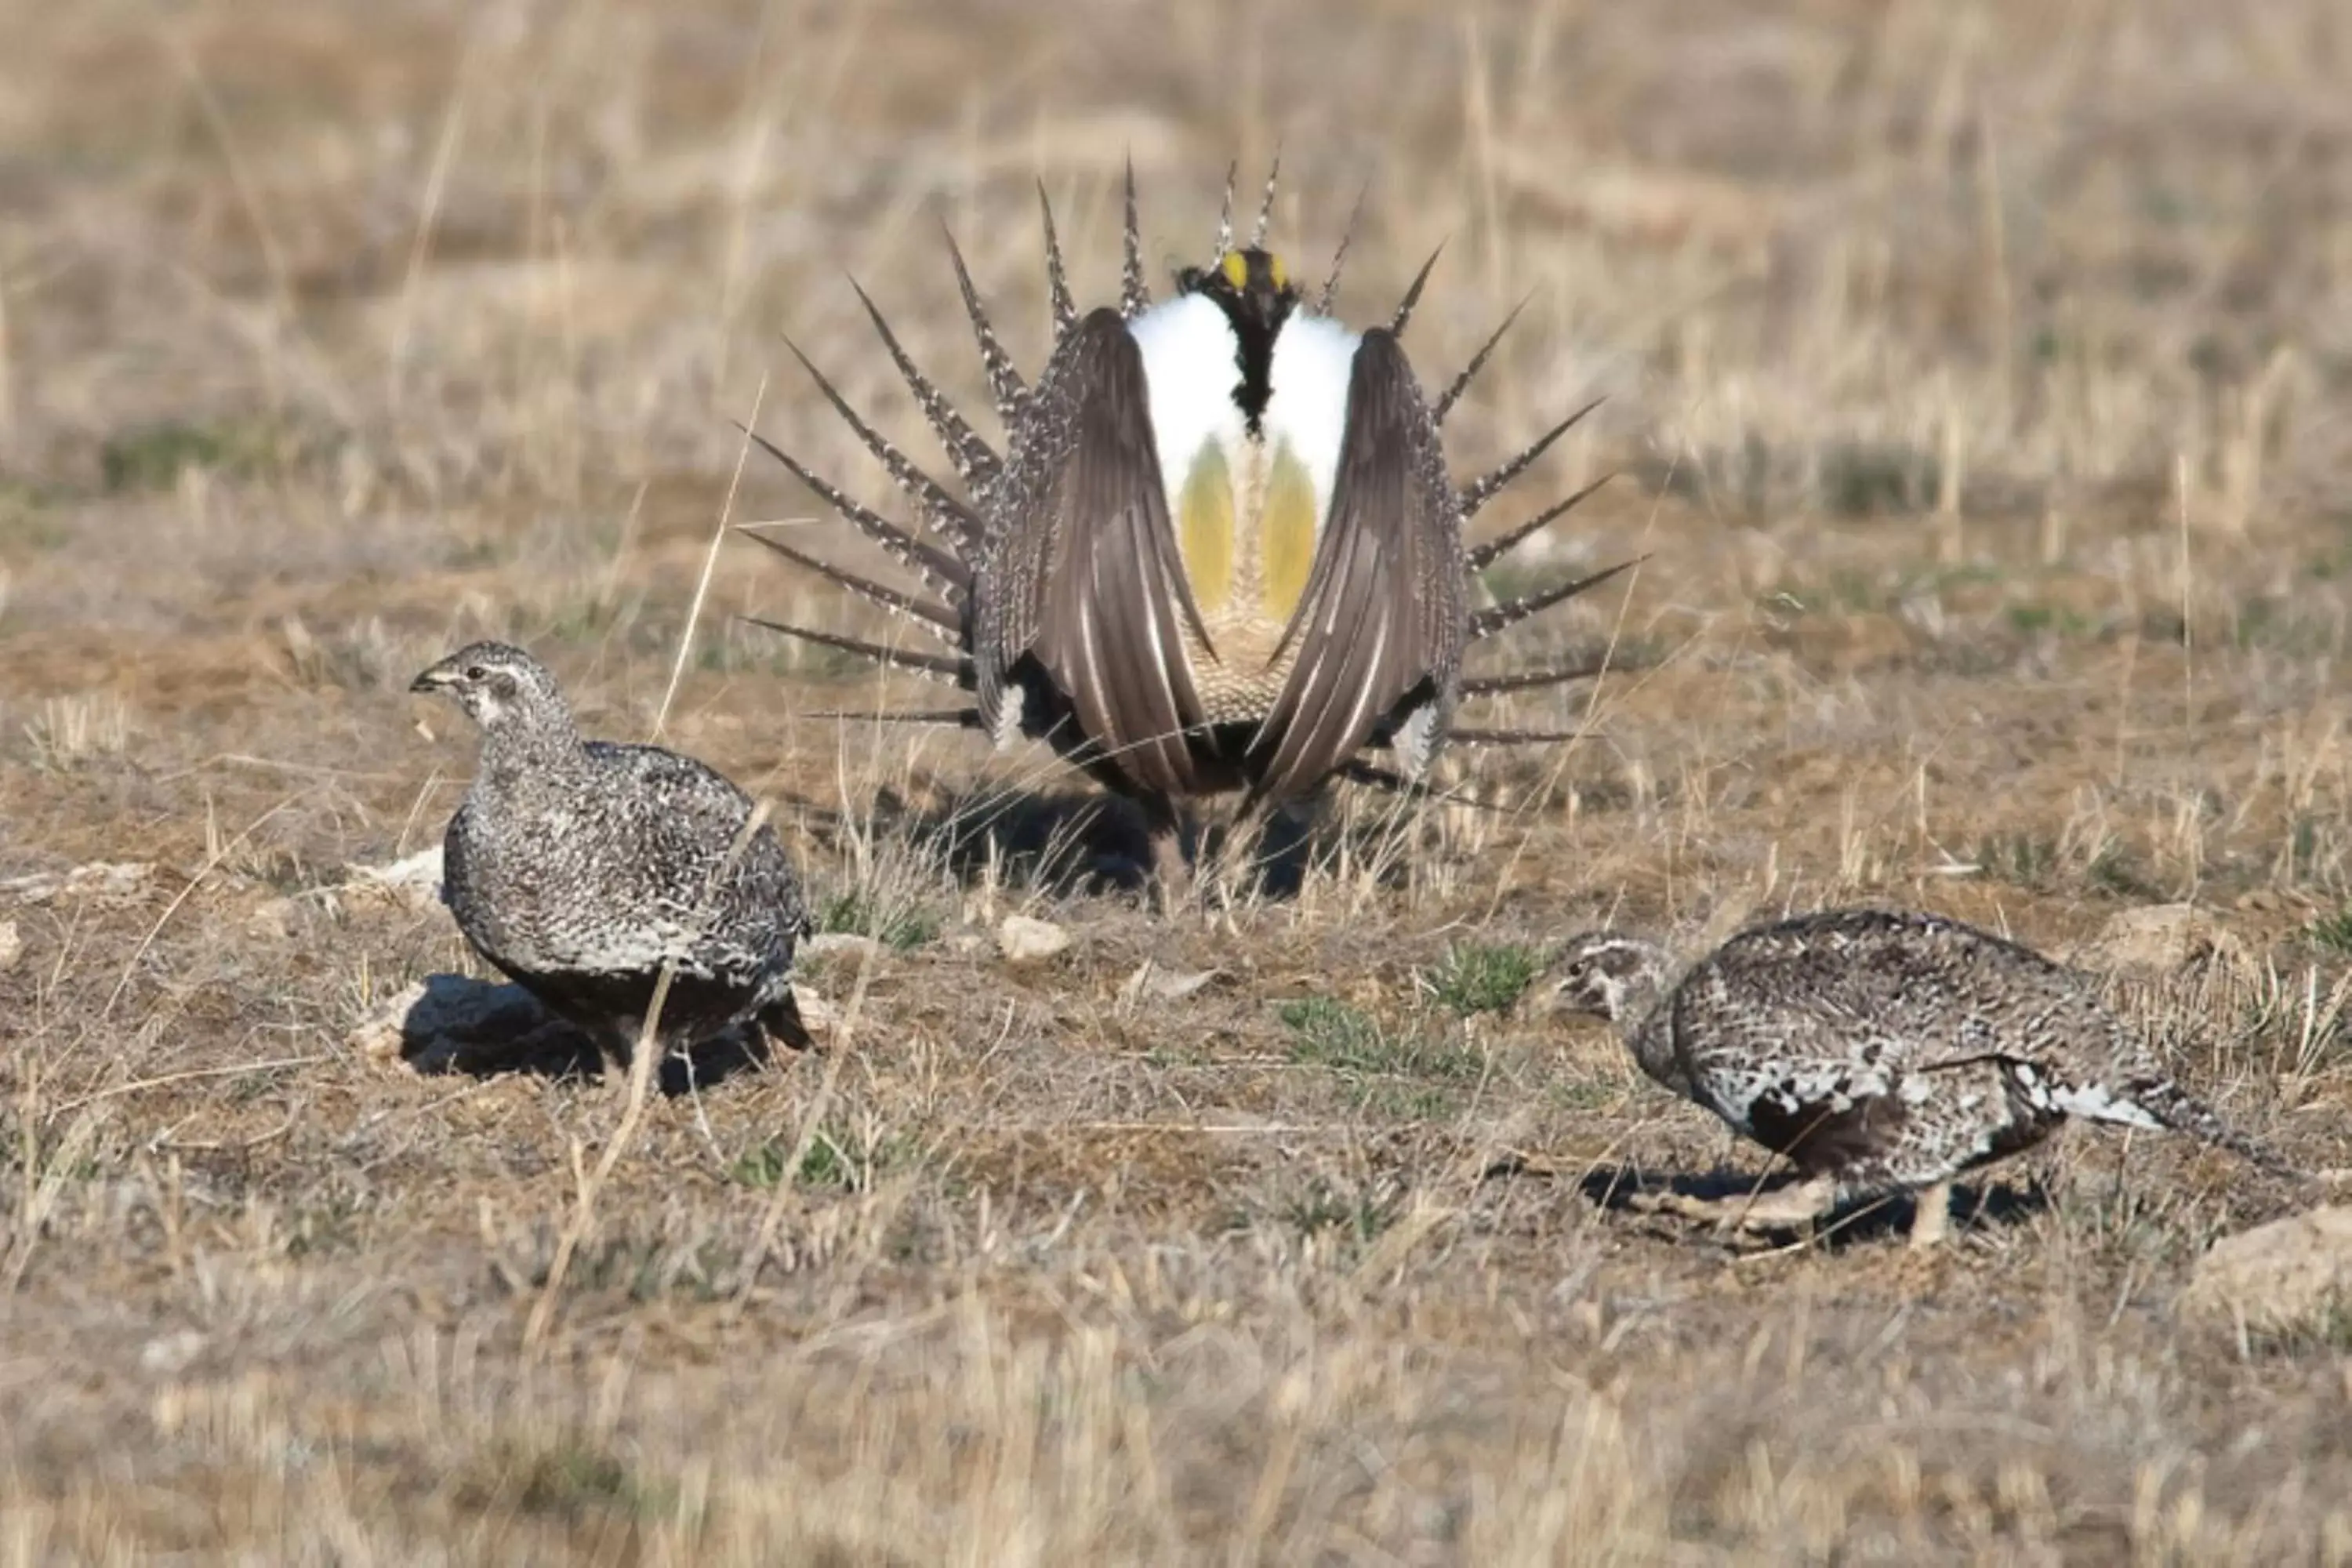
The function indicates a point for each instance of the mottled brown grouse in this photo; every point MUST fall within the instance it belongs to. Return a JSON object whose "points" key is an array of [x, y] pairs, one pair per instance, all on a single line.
{"points": [[1881, 1052], [580, 868]]}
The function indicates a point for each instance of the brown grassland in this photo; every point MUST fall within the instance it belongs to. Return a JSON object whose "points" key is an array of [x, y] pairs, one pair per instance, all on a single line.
{"points": [[1977, 380]]}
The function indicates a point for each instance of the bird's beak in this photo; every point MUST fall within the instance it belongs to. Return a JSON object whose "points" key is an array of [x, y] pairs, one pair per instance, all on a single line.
{"points": [[440, 678]]}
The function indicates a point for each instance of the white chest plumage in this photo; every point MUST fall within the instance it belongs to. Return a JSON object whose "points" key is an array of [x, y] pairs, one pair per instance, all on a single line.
{"points": [[1248, 507]]}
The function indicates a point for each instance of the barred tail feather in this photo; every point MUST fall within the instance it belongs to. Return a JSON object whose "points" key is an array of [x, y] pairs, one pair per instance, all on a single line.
{"points": [[1488, 622], [2175, 1107], [943, 666], [1057, 277], [1134, 294], [920, 611], [1005, 386], [942, 572], [1487, 486], [1461, 735], [1529, 679], [1265, 204], [974, 459], [1412, 297], [1484, 555], [1452, 394], [1339, 256]]}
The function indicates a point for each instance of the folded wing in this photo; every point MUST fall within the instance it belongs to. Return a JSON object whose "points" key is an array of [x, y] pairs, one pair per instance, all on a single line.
{"points": [[1088, 586], [1378, 631]]}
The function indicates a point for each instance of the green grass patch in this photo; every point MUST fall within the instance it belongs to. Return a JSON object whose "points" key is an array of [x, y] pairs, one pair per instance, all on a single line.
{"points": [[2032, 619], [1330, 1033], [902, 927], [2019, 858], [1323, 1209], [832, 1162], [568, 1480], [1481, 977], [2114, 869], [2328, 1332], [2332, 932], [153, 457]]}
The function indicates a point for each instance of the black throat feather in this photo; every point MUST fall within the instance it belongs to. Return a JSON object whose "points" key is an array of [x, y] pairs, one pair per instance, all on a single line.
{"points": [[1257, 302], [1255, 358]]}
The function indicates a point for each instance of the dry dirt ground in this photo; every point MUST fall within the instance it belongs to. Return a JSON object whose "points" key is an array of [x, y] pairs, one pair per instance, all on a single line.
{"points": [[1977, 378]]}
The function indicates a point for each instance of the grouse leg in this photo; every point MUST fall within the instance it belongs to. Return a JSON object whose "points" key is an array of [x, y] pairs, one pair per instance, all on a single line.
{"points": [[781, 1022], [1172, 877], [1792, 1207], [1930, 1219]]}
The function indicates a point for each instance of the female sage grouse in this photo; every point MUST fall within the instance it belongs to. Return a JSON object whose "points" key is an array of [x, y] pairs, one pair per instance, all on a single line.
{"points": [[581, 869], [1880, 1052], [1222, 551]]}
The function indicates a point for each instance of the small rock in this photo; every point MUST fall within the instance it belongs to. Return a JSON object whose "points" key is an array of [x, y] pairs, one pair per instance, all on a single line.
{"points": [[171, 1353], [99, 882], [2287, 1274], [1150, 983], [12, 946], [273, 920], [1024, 940]]}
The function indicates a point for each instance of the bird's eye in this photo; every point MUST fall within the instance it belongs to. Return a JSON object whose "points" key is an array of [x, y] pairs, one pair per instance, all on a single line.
{"points": [[477, 672]]}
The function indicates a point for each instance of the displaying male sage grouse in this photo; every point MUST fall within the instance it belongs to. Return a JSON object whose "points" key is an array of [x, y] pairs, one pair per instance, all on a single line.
{"points": [[580, 868], [1881, 1052], [1221, 549]]}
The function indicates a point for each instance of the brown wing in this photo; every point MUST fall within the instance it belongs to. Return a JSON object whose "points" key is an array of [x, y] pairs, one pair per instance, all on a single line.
{"points": [[1091, 586], [1382, 619]]}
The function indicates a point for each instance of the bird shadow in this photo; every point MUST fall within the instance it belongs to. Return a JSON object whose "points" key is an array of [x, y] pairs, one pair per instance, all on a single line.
{"points": [[484, 1029], [1620, 1189], [1066, 843]]}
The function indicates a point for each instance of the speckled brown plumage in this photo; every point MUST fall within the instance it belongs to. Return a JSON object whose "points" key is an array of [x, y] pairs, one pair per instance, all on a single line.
{"points": [[580, 868], [1883, 1051]]}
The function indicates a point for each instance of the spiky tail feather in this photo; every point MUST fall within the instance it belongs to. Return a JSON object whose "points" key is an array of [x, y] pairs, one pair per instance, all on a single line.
{"points": [[956, 718], [1529, 679], [2184, 1112], [950, 516], [1339, 256], [1412, 295], [943, 574], [1488, 622], [1005, 387], [957, 670], [974, 458], [1134, 294], [1464, 736], [1484, 555], [1452, 394], [1057, 277], [918, 612], [1375, 777], [1488, 485]]}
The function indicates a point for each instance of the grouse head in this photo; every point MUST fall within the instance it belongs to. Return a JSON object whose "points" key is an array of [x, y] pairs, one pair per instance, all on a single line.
{"points": [[1252, 287], [1606, 975], [499, 685]]}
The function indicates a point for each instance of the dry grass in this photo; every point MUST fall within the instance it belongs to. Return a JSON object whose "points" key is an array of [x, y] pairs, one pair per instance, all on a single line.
{"points": [[1977, 372]]}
